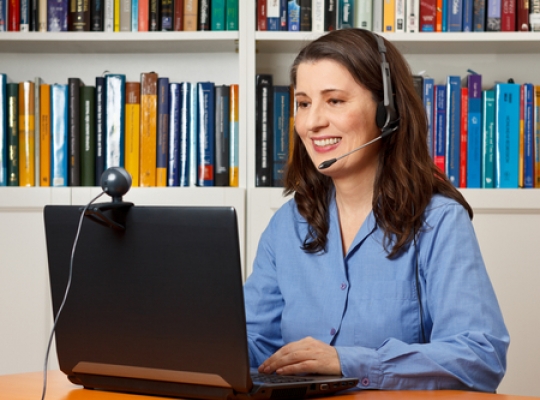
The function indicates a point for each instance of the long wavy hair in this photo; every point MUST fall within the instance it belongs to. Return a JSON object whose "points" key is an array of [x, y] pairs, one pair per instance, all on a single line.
{"points": [[406, 177]]}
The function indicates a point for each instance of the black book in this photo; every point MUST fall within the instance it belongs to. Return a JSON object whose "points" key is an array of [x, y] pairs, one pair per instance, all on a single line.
{"points": [[263, 130], [305, 15], [204, 15], [96, 15], [330, 15], [154, 15], [221, 132], [100, 128], [12, 108], [167, 15], [74, 131]]}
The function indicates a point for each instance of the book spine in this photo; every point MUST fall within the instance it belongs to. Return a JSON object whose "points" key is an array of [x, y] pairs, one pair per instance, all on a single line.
{"points": [[463, 137], [190, 15], [317, 16], [468, 23], [232, 15], [3, 130], [377, 21], [125, 15], [217, 20], [293, 16], [3, 17], [263, 130], [154, 16], [88, 135], [24, 21], [178, 17], [166, 15], [506, 135], [522, 15], [205, 137], [479, 15], [488, 139], [439, 16], [133, 123], [427, 98], [59, 135], [281, 101], [221, 132], [439, 145], [96, 15], [57, 15], [493, 21], [37, 128], [234, 130], [34, 15], [184, 140], [389, 14], [79, 15], [455, 15], [262, 15], [115, 106], [364, 14], [144, 15], [74, 134], [283, 15], [453, 110], [272, 15], [204, 15], [474, 131], [147, 172], [330, 14], [26, 134], [529, 135], [100, 128], [412, 11], [521, 144], [537, 136], [108, 16], [12, 96], [42, 15], [134, 15], [399, 16], [508, 15], [173, 170], [193, 134], [45, 134], [162, 154], [305, 15], [14, 15]]}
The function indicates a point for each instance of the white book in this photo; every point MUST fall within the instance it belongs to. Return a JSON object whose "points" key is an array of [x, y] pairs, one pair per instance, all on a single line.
{"points": [[272, 9], [363, 17], [412, 24], [317, 16], [42, 15], [377, 11], [400, 16], [108, 17]]}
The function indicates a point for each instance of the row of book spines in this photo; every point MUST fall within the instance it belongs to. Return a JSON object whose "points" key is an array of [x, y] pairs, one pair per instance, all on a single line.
{"points": [[118, 15], [172, 169], [398, 15], [484, 138]]}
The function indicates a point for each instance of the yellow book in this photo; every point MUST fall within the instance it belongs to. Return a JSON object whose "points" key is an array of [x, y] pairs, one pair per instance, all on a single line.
{"points": [[133, 104], [389, 15], [233, 136], [26, 134], [148, 133], [537, 135], [117, 15], [45, 134]]}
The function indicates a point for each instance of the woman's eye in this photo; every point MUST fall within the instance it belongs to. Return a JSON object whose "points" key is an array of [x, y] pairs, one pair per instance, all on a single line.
{"points": [[303, 104], [335, 101]]}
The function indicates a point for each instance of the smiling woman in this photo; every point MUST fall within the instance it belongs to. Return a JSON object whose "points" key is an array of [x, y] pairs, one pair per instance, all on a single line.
{"points": [[373, 269]]}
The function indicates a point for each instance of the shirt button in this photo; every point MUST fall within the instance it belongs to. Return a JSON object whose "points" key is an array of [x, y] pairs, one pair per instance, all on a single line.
{"points": [[343, 286], [332, 331], [365, 382]]}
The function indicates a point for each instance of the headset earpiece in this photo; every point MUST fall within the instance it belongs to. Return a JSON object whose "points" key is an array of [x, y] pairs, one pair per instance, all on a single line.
{"points": [[380, 116]]}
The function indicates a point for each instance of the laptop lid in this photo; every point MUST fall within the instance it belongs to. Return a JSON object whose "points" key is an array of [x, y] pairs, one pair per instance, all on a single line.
{"points": [[156, 308]]}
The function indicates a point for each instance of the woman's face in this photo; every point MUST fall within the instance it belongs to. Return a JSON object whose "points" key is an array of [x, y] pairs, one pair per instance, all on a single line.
{"points": [[334, 116]]}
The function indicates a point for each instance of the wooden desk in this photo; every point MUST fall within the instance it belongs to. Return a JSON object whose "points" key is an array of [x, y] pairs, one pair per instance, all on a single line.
{"points": [[29, 386]]}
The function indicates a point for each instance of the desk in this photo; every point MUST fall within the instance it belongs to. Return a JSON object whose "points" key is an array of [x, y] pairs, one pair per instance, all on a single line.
{"points": [[28, 386]]}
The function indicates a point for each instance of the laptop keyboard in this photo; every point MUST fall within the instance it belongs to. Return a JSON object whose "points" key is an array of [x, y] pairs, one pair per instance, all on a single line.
{"points": [[265, 378]]}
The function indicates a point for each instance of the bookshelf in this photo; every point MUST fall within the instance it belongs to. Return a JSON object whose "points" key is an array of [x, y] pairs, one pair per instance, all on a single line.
{"points": [[507, 221]]}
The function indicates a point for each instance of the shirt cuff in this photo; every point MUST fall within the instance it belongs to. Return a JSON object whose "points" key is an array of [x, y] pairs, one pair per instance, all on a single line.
{"points": [[362, 363]]}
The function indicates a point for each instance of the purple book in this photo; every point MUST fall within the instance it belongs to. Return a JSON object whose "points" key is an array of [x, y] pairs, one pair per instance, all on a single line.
{"points": [[57, 15]]}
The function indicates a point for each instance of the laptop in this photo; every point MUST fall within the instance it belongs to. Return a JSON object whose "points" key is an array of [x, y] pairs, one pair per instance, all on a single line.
{"points": [[156, 306]]}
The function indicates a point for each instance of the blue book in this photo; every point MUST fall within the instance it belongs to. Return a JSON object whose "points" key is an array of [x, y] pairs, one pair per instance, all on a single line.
{"points": [[293, 15], [205, 136], [283, 11], [193, 134], [345, 14], [3, 130], [100, 128], [184, 140], [468, 15], [444, 12], [507, 97], [57, 15], [234, 131], [115, 122], [281, 106], [488, 139], [3, 15], [427, 97], [453, 128], [454, 14], [24, 20], [217, 20], [162, 125], [439, 127], [59, 135], [528, 127], [493, 20], [134, 13], [474, 132], [221, 132], [479, 15], [173, 177]]}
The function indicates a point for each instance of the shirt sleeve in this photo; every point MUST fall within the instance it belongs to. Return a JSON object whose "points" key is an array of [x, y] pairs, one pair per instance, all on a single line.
{"points": [[466, 338]]}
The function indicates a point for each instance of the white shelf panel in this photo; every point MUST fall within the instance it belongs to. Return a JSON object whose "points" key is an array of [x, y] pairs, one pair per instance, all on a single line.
{"points": [[119, 42], [27, 198]]}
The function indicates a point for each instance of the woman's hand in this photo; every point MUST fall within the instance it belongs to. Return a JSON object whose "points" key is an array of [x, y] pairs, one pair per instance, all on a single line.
{"points": [[304, 356]]}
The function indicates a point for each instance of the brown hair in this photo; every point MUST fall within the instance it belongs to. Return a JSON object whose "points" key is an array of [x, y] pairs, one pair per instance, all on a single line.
{"points": [[406, 177]]}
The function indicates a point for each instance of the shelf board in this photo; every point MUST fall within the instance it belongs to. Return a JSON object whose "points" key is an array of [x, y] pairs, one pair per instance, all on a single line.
{"points": [[419, 43], [119, 42]]}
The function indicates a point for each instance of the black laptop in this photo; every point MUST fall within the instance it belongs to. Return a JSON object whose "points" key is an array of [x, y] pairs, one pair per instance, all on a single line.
{"points": [[156, 306]]}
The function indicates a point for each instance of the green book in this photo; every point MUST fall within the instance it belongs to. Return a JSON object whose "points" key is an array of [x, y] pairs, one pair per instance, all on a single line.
{"points": [[232, 15], [217, 20], [88, 135], [488, 139], [12, 97]]}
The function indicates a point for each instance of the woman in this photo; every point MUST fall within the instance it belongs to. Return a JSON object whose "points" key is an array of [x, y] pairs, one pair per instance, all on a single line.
{"points": [[373, 270]]}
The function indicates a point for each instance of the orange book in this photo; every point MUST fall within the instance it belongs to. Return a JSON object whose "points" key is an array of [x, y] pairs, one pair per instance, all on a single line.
{"points": [[144, 6], [26, 134], [45, 134], [438, 16], [389, 15], [292, 113], [190, 15], [132, 138], [148, 131], [233, 136]]}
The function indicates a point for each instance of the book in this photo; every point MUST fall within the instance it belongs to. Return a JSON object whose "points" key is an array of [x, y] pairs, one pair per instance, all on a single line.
{"points": [[42, 15], [280, 111], [204, 15], [125, 15], [363, 16], [154, 15], [108, 15], [88, 135], [377, 21], [206, 136], [34, 16], [133, 110], [305, 15], [453, 118], [3, 16], [439, 127], [439, 16], [190, 15], [79, 15], [173, 159], [134, 15], [100, 128], [166, 15], [45, 134], [115, 107], [418, 82], [116, 15], [3, 130], [74, 134], [536, 136], [330, 14], [389, 15], [148, 141], [488, 139], [37, 128], [144, 15], [508, 15], [57, 15], [283, 15], [59, 135], [293, 16], [521, 145], [162, 154], [221, 134], [231, 19], [234, 131], [12, 137], [463, 137], [345, 14], [24, 21], [185, 144], [263, 130], [506, 135], [454, 12], [468, 22], [26, 134], [427, 99], [522, 15], [193, 133], [96, 15], [272, 15], [399, 16], [178, 15], [479, 15], [474, 131], [317, 16], [261, 14], [528, 124], [493, 19], [412, 19]]}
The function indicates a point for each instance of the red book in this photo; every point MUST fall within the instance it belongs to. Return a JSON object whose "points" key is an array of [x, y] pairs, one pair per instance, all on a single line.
{"points": [[178, 21], [522, 15], [428, 15], [508, 15], [261, 15], [144, 7], [14, 15], [463, 138]]}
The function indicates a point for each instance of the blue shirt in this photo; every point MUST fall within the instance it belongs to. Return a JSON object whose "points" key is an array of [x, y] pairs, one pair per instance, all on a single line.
{"points": [[367, 305]]}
